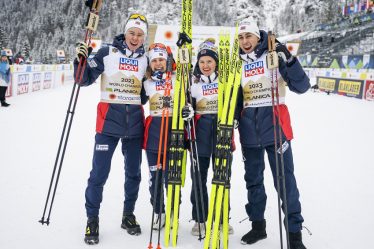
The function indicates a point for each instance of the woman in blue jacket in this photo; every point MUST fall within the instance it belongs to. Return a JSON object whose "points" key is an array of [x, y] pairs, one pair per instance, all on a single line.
{"points": [[160, 60], [204, 92], [256, 128], [4, 77]]}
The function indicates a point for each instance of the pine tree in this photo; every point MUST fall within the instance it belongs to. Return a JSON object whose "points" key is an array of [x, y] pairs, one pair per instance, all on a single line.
{"points": [[25, 52], [3, 38]]}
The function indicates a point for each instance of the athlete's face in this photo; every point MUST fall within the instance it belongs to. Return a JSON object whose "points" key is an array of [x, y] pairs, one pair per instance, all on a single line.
{"points": [[158, 64], [134, 38], [207, 65], [3, 58], [248, 42]]}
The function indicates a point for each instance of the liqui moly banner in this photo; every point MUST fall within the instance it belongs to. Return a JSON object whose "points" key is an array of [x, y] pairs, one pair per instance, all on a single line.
{"points": [[32, 78]]}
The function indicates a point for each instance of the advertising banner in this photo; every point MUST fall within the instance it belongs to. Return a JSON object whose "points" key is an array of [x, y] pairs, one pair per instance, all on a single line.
{"points": [[351, 88], [47, 81], [326, 84], [36, 81], [369, 90], [22, 81]]}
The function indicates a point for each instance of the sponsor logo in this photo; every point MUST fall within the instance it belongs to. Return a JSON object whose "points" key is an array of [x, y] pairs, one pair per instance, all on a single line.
{"points": [[92, 63], [117, 90], [285, 146], [23, 84], [210, 89], [260, 96], [350, 87], [128, 64], [160, 85], [326, 84], [47, 80], [36, 82], [102, 147], [253, 69]]}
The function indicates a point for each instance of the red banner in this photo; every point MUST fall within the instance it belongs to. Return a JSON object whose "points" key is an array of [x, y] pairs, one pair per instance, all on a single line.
{"points": [[369, 90]]}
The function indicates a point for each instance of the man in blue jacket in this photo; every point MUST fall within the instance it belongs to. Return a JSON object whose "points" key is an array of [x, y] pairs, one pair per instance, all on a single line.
{"points": [[257, 130], [120, 116]]}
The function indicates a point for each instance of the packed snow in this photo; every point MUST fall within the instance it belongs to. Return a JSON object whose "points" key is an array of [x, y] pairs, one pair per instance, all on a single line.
{"points": [[333, 166]]}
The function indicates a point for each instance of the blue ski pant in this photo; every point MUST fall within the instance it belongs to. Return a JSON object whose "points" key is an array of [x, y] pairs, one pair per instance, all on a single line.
{"points": [[254, 177], [152, 163], [103, 152]]}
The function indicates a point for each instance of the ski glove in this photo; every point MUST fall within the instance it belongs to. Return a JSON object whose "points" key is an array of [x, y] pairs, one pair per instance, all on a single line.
{"points": [[82, 50], [182, 39], [187, 112], [283, 52]]}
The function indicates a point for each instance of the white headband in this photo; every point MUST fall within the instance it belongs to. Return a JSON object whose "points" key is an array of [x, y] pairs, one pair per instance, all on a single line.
{"points": [[157, 53], [249, 27], [136, 23]]}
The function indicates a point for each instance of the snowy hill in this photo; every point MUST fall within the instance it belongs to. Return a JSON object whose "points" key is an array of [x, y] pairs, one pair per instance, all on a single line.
{"points": [[39, 28]]}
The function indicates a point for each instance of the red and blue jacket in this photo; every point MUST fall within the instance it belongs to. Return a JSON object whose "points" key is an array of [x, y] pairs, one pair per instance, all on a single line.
{"points": [[122, 71], [254, 113]]}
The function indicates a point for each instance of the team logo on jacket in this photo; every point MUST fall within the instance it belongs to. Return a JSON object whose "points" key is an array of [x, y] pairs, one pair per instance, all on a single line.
{"points": [[253, 69], [210, 89], [128, 64]]}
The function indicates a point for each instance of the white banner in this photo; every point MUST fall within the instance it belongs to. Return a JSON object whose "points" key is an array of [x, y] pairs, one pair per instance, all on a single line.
{"points": [[168, 35], [32, 78]]}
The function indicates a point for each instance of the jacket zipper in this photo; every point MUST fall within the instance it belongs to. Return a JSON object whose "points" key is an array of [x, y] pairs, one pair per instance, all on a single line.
{"points": [[127, 120], [258, 138]]}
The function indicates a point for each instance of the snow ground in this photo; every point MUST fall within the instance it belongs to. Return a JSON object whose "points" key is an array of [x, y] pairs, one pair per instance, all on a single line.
{"points": [[333, 165]]}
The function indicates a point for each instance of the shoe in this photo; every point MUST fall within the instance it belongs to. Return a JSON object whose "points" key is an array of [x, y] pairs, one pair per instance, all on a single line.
{"points": [[257, 233], [5, 104], [296, 241], [130, 224], [195, 229], [91, 237], [231, 229], [157, 221]]}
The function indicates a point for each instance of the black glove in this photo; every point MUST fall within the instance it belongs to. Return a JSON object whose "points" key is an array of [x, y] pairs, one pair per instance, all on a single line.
{"points": [[182, 39], [82, 50], [89, 3], [187, 112], [283, 52]]}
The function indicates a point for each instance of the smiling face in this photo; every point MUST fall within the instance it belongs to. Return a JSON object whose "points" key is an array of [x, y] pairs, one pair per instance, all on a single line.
{"points": [[248, 42], [158, 64], [134, 38], [207, 65]]}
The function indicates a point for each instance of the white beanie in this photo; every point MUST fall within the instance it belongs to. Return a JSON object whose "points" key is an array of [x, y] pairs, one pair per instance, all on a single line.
{"points": [[249, 26], [136, 23], [157, 52]]}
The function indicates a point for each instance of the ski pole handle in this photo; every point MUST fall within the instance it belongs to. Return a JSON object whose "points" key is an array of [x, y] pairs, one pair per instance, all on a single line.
{"points": [[272, 57]]}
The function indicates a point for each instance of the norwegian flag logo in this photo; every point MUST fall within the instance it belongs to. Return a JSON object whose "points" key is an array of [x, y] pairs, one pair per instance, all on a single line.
{"points": [[137, 23], [242, 27]]}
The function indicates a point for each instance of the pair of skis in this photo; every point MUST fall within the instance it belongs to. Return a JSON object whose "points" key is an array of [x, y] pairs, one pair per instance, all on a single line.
{"points": [[218, 214], [175, 147]]}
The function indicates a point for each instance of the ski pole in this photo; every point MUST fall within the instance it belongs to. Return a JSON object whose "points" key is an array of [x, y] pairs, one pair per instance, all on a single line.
{"points": [[91, 26], [272, 62]]}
